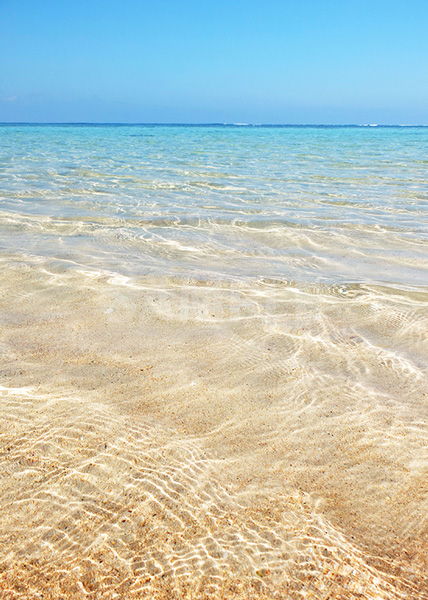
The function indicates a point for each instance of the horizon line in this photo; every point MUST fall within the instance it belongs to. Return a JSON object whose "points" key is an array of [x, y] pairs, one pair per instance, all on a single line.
{"points": [[210, 124]]}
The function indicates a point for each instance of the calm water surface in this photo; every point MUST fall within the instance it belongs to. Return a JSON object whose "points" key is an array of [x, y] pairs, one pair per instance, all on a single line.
{"points": [[333, 205], [214, 361]]}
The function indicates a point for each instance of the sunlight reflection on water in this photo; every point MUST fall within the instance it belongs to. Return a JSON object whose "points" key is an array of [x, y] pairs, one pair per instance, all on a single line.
{"points": [[214, 362]]}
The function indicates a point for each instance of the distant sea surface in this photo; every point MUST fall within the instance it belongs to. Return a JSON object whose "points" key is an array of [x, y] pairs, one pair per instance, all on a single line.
{"points": [[214, 365], [320, 205]]}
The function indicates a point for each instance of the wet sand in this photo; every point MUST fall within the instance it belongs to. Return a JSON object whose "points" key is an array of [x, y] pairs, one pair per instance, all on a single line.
{"points": [[167, 438]]}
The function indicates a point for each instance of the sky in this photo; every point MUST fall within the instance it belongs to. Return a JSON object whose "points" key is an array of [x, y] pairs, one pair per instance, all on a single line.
{"points": [[204, 61]]}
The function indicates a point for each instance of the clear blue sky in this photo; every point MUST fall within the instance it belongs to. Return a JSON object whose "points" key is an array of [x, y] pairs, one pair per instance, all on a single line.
{"points": [[270, 61]]}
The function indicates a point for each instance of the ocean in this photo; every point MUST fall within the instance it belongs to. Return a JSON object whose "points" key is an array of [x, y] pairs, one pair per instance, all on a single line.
{"points": [[214, 361]]}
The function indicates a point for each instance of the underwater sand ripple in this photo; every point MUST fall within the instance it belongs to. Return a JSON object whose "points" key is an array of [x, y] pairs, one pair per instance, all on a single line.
{"points": [[287, 458]]}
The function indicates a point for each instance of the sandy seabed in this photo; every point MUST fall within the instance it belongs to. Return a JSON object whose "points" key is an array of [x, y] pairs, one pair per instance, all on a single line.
{"points": [[183, 439]]}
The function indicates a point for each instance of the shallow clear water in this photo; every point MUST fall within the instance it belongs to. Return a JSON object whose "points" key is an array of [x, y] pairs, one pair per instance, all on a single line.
{"points": [[334, 205], [215, 361]]}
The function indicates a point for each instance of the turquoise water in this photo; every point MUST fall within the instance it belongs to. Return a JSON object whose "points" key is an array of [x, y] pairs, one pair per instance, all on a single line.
{"points": [[333, 205], [214, 362]]}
